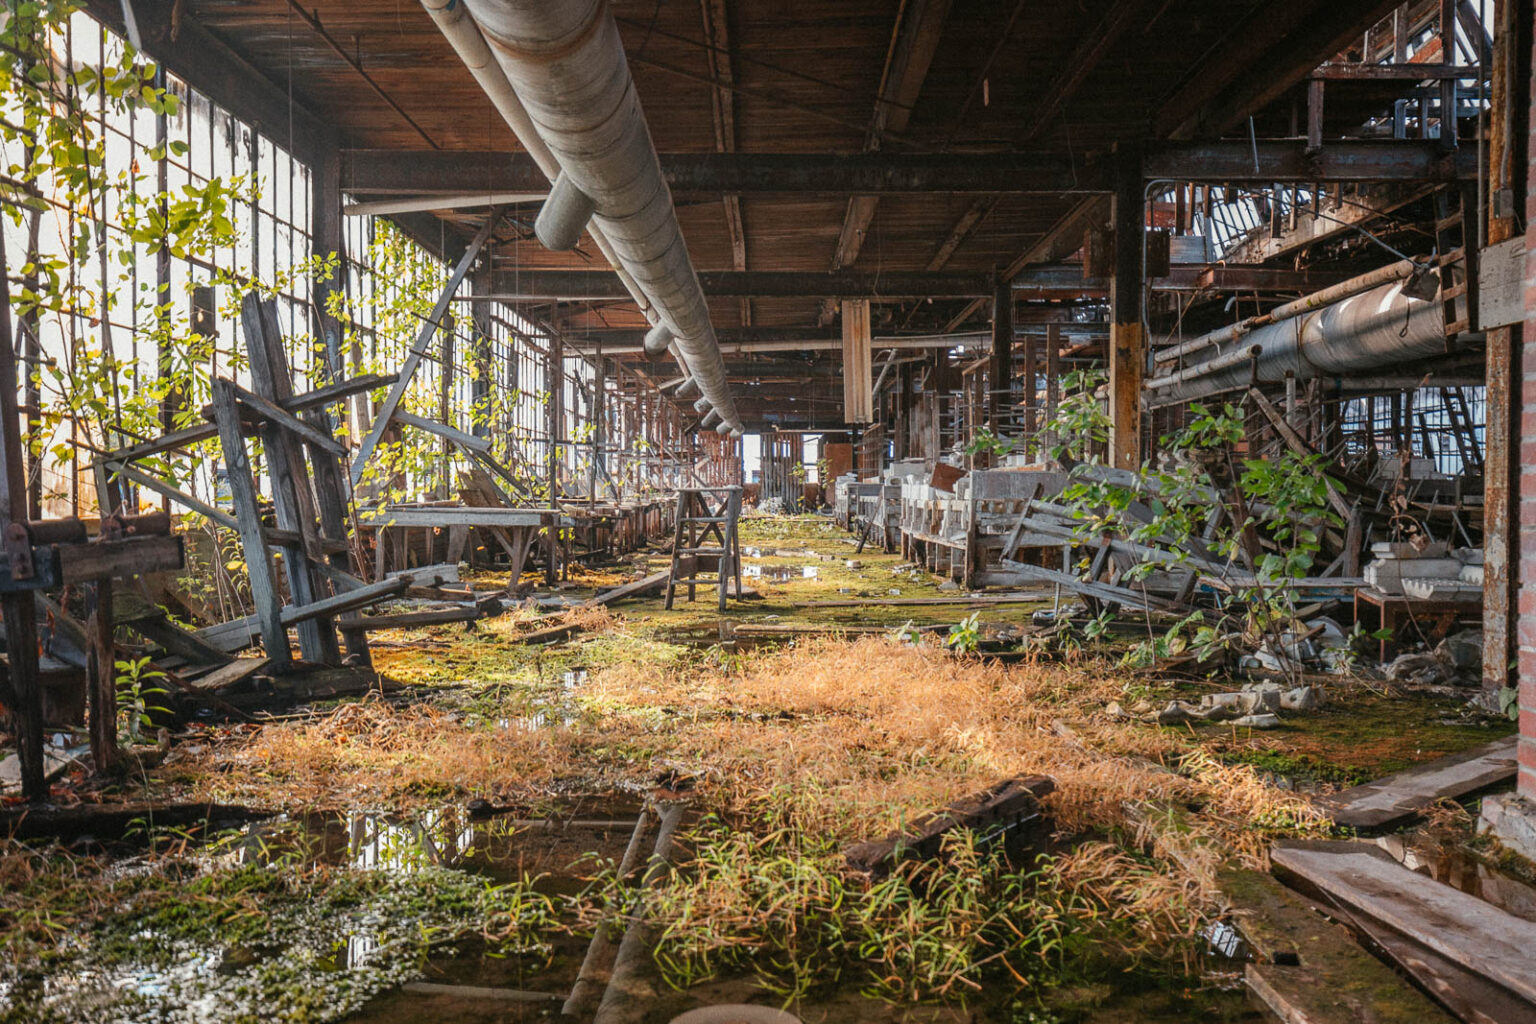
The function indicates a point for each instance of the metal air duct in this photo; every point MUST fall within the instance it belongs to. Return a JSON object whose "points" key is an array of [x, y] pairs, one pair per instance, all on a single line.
{"points": [[1378, 328], [566, 63], [464, 35]]}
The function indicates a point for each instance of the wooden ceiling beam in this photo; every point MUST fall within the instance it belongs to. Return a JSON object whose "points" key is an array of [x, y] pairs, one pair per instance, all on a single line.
{"points": [[1084, 59], [913, 45], [723, 107], [178, 41], [1263, 56]]}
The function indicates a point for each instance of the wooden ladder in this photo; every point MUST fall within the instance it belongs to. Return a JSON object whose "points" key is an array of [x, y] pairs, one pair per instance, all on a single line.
{"points": [[705, 515], [1454, 259]]}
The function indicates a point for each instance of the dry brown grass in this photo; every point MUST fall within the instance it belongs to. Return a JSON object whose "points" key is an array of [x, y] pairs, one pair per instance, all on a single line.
{"points": [[868, 734]]}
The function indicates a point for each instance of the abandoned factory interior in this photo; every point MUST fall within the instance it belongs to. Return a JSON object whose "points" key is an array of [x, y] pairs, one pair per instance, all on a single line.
{"points": [[767, 512]]}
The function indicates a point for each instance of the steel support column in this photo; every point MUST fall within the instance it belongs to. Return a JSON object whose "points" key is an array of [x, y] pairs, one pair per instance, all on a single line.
{"points": [[1127, 340], [1000, 369]]}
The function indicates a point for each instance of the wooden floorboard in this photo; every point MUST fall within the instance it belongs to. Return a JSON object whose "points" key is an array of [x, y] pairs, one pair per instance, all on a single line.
{"points": [[1396, 798], [1467, 933]]}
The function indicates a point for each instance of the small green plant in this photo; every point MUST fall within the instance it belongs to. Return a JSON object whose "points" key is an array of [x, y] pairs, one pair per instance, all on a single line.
{"points": [[965, 636], [139, 682], [984, 441], [1509, 702], [1081, 424]]}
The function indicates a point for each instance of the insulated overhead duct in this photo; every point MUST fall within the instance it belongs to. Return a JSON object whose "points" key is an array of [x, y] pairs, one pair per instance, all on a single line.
{"points": [[1378, 328], [467, 41], [566, 64]]}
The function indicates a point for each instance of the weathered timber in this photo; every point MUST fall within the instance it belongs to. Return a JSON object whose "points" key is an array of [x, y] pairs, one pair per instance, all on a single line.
{"points": [[635, 588], [1403, 795], [1303, 967], [132, 556], [310, 400], [227, 675], [1007, 806], [415, 620], [1431, 927], [240, 633], [101, 821]]}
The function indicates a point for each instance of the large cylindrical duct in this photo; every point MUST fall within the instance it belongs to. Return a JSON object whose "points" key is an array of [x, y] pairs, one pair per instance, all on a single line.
{"points": [[1381, 327], [566, 62], [469, 43]]}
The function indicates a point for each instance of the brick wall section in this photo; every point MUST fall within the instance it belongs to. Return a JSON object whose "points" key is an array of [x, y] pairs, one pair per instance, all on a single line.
{"points": [[1526, 481]]}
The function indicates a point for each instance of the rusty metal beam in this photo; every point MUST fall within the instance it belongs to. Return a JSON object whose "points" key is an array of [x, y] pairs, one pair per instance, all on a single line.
{"points": [[1061, 281], [427, 173]]}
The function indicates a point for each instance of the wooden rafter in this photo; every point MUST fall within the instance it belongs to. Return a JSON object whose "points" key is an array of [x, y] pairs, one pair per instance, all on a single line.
{"points": [[723, 102], [913, 45]]}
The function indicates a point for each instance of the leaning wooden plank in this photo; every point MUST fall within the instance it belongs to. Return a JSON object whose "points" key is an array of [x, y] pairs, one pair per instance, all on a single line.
{"points": [[1015, 572], [293, 497], [228, 674], [242, 489], [1399, 797], [415, 620], [1466, 993], [445, 572], [181, 642], [1005, 806], [1304, 968], [635, 588], [239, 631], [386, 411], [918, 602], [450, 515], [317, 399], [458, 437], [1468, 932], [182, 498]]}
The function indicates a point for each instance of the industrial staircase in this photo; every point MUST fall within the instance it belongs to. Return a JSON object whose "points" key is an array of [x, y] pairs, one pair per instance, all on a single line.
{"points": [[705, 541]]}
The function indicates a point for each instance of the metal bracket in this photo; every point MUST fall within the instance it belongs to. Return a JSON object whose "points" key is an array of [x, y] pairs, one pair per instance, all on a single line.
{"points": [[17, 544]]}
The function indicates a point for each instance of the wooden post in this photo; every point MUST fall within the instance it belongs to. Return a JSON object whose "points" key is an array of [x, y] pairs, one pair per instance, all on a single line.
{"points": [[327, 240], [1031, 382], [1000, 367], [445, 384], [482, 283], [555, 384], [293, 497], [22, 691], [101, 675], [1507, 155], [858, 370], [1127, 342], [1052, 370], [258, 562]]}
